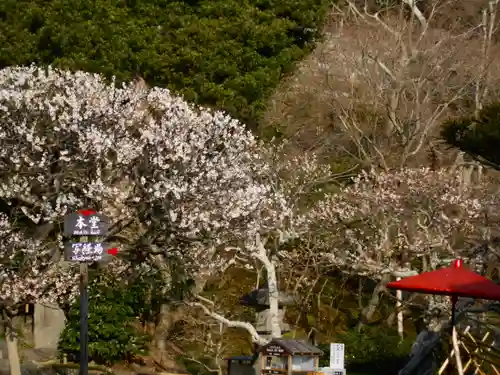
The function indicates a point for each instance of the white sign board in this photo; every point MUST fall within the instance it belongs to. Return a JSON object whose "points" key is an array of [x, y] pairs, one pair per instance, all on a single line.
{"points": [[337, 356], [331, 371]]}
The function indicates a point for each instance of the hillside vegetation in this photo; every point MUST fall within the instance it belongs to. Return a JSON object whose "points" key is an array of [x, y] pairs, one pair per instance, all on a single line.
{"points": [[228, 54], [364, 186], [377, 88]]}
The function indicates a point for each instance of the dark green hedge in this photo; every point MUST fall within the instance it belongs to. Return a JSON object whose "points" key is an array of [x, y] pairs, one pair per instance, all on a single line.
{"points": [[372, 351], [478, 136], [224, 53], [114, 333]]}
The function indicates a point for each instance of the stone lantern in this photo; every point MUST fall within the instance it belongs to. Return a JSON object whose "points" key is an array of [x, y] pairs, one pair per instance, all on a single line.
{"points": [[258, 299]]}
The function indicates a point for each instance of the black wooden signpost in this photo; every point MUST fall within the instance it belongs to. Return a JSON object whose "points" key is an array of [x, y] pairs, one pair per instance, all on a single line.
{"points": [[85, 223]]}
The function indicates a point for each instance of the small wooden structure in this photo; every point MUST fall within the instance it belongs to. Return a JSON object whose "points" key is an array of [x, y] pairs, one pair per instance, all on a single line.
{"points": [[241, 365], [287, 357]]}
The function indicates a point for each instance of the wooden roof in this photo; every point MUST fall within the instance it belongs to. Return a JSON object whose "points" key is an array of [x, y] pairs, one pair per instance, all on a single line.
{"points": [[294, 347], [260, 297]]}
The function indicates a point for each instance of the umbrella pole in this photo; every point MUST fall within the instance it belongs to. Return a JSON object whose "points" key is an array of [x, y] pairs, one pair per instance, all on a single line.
{"points": [[454, 337], [453, 305]]}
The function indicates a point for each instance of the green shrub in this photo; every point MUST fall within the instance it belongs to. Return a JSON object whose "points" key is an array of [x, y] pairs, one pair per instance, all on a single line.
{"points": [[478, 136], [224, 53], [374, 350], [114, 333]]}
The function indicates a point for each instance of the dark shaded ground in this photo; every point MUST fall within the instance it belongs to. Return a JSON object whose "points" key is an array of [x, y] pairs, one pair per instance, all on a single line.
{"points": [[27, 368], [28, 355]]}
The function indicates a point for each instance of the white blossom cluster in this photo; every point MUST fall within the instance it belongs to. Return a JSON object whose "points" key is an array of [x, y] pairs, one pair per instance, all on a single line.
{"points": [[28, 273], [64, 140], [71, 140], [384, 221]]}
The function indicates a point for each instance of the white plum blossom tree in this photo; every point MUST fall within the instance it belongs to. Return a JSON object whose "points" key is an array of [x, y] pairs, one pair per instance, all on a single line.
{"points": [[28, 272], [384, 221], [176, 181], [28, 275], [402, 222], [295, 179]]}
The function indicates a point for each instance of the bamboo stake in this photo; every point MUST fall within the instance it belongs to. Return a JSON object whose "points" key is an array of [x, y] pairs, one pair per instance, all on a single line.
{"points": [[452, 353]]}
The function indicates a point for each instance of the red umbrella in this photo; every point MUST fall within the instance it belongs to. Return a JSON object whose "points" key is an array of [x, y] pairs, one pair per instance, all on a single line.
{"points": [[455, 281]]}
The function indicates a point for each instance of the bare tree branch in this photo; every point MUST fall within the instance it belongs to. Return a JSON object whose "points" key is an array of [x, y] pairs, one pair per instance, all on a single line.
{"points": [[232, 323]]}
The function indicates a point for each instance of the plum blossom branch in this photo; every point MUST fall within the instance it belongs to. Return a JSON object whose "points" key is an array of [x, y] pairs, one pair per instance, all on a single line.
{"points": [[385, 220]]}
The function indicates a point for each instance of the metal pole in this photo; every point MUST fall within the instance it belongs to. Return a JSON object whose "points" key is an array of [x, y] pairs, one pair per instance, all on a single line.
{"points": [[84, 321]]}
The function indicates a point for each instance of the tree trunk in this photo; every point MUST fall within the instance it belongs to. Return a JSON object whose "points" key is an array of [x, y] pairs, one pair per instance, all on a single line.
{"points": [[272, 285], [161, 330], [12, 350], [369, 311], [274, 296], [456, 348], [398, 314], [168, 315]]}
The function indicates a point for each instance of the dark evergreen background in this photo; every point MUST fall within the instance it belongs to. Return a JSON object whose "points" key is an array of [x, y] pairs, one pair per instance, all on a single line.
{"points": [[229, 54]]}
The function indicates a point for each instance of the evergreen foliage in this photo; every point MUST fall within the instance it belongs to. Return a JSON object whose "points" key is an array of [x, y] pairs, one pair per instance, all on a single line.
{"points": [[478, 136], [114, 327], [224, 53], [372, 350]]}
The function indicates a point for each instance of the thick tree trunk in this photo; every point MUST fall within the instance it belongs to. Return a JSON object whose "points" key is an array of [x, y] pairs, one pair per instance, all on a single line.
{"points": [[169, 315], [161, 330], [12, 350], [369, 311], [272, 283]]}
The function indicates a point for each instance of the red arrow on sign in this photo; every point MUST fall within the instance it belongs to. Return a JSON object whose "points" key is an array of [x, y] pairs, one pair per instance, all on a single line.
{"points": [[113, 251], [87, 212]]}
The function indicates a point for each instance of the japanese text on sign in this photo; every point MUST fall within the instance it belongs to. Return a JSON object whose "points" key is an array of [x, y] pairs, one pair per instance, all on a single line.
{"points": [[275, 350], [78, 224], [84, 251], [337, 356]]}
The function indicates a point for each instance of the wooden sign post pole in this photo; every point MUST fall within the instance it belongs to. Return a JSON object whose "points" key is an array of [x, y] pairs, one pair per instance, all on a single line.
{"points": [[85, 223]]}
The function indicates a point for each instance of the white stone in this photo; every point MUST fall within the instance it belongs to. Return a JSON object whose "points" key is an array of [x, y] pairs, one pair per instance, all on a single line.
{"points": [[49, 324]]}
